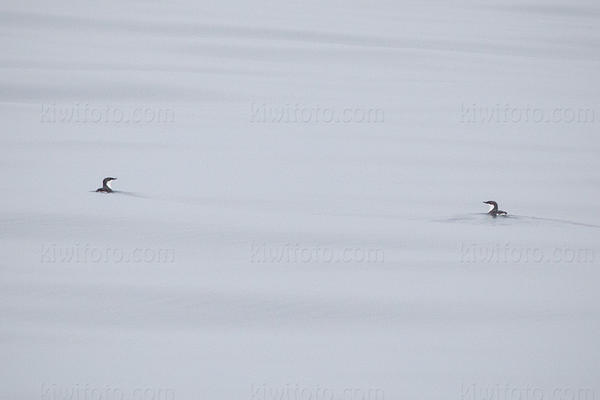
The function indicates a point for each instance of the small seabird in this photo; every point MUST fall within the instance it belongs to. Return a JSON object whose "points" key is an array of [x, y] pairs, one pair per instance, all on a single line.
{"points": [[494, 208], [106, 185]]}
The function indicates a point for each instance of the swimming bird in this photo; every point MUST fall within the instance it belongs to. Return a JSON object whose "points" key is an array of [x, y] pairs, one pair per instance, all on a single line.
{"points": [[494, 212], [106, 185]]}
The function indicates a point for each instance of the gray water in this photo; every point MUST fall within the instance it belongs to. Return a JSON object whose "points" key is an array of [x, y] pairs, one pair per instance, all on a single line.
{"points": [[299, 210]]}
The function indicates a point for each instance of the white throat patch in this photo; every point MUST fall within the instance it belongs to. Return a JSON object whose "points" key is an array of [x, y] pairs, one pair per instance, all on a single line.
{"points": [[491, 207]]}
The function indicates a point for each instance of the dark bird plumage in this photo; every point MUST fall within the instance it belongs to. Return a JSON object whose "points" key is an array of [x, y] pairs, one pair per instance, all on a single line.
{"points": [[106, 185], [494, 211]]}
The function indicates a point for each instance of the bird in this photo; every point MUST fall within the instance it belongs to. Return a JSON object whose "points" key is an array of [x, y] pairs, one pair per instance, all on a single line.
{"points": [[106, 185], [494, 212]]}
